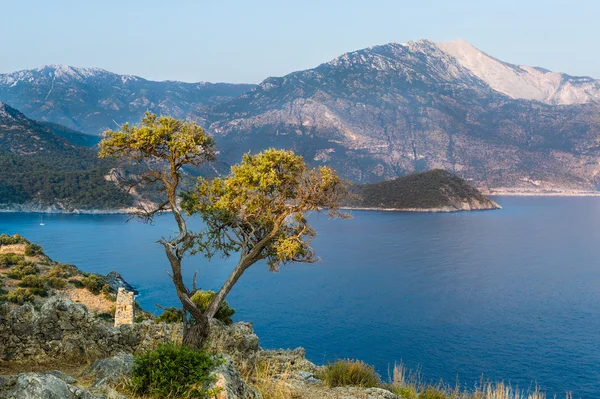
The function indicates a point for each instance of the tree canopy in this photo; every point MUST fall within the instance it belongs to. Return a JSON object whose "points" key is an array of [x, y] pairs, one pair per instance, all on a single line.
{"points": [[258, 211]]}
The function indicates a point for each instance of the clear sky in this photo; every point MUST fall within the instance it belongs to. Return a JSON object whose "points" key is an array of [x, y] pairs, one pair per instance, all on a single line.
{"points": [[249, 40]]}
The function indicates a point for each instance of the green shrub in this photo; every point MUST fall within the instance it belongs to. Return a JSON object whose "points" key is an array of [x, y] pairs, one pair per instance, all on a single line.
{"points": [[349, 373], [32, 281], [20, 296], [170, 315], [11, 240], [203, 298], [94, 283], [39, 291], [172, 371], [33, 250], [76, 283], [22, 269], [8, 260], [57, 283], [62, 271]]}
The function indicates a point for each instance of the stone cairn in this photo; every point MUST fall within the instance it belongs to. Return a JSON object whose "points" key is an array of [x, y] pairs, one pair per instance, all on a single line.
{"points": [[124, 308]]}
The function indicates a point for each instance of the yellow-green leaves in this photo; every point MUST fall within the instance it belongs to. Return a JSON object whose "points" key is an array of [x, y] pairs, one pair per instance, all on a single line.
{"points": [[161, 138], [259, 208]]}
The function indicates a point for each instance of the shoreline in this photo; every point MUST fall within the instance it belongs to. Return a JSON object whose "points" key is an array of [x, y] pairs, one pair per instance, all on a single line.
{"points": [[417, 210], [130, 211], [538, 194]]}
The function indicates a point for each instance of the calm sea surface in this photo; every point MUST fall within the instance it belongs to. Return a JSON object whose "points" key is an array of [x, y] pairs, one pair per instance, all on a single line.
{"points": [[512, 295]]}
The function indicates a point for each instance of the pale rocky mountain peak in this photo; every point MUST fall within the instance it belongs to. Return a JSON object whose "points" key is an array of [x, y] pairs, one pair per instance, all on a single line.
{"points": [[523, 82]]}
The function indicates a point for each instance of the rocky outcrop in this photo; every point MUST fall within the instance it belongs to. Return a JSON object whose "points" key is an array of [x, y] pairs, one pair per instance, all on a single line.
{"points": [[110, 370], [229, 384], [61, 329], [116, 281], [47, 385]]}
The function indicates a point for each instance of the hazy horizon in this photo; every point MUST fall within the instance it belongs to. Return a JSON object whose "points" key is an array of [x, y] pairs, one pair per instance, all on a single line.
{"points": [[239, 42]]}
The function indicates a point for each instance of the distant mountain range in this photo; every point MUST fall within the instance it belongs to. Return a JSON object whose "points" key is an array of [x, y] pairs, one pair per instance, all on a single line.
{"points": [[92, 100], [373, 114]]}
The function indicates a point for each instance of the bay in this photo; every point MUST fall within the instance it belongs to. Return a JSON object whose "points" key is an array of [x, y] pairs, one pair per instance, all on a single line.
{"points": [[509, 295]]}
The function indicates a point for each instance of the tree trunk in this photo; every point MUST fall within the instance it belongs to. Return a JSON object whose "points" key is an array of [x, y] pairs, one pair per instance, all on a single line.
{"points": [[196, 336]]}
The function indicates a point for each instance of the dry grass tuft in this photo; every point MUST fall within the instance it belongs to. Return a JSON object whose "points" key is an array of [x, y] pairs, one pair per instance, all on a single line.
{"points": [[270, 384]]}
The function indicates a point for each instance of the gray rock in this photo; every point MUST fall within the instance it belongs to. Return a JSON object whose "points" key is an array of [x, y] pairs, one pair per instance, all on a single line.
{"points": [[42, 386], [229, 384], [116, 281], [110, 370], [378, 393], [64, 330]]}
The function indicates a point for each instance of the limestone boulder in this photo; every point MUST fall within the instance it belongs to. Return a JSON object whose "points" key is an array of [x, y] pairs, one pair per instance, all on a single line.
{"points": [[110, 370], [41, 386], [229, 384]]}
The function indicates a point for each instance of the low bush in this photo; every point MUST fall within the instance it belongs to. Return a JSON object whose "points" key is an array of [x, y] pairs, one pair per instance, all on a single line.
{"points": [[170, 315], [349, 373], [20, 296], [94, 283], [62, 271], [203, 298], [172, 371], [39, 291], [32, 281], [9, 260], [76, 283], [22, 269], [33, 250], [11, 240], [57, 283]]}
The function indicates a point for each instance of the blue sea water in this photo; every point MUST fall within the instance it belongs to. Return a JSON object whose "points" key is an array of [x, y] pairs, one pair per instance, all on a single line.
{"points": [[509, 295]]}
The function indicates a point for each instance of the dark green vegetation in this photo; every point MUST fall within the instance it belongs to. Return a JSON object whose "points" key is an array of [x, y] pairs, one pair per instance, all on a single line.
{"points": [[427, 190], [172, 371], [40, 168]]}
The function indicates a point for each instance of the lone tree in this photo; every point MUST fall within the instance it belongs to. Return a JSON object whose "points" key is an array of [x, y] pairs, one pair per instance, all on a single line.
{"points": [[257, 212]]}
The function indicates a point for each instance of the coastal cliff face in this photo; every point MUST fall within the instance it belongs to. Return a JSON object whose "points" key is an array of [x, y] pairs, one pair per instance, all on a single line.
{"points": [[432, 191]]}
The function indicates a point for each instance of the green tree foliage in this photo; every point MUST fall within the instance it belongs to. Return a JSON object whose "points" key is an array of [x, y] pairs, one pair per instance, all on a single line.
{"points": [[202, 299], [172, 371]]}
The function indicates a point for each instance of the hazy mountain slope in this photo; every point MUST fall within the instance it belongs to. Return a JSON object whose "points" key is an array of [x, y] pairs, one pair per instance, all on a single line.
{"points": [[525, 82], [91, 99], [75, 137], [41, 170], [23, 136], [385, 111]]}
